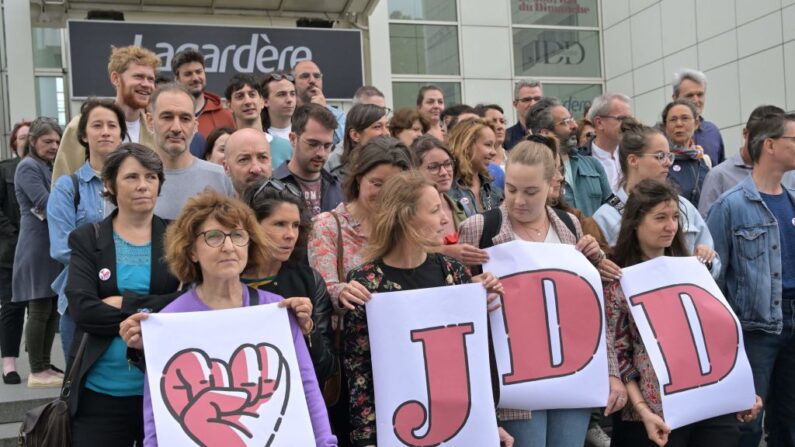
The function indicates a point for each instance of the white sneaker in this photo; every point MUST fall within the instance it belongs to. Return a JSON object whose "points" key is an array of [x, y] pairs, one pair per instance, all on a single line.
{"points": [[596, 437]]}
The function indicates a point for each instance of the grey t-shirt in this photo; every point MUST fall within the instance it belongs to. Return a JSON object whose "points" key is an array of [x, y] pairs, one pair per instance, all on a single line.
{"points": [[182, 184]]}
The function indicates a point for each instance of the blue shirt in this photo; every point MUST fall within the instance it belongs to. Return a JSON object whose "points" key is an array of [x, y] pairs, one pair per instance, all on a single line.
{"points": [[708, 136], [63, 218], [497, 174], [281, 151], [784, 211], [112, 374], [339, 132]]}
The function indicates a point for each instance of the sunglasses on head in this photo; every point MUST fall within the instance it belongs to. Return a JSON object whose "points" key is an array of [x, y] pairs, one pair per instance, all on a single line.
{"points": [[280, 186]]}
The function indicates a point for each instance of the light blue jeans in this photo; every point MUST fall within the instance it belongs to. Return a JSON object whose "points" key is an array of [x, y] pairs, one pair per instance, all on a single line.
{"points": [[553, 428]]}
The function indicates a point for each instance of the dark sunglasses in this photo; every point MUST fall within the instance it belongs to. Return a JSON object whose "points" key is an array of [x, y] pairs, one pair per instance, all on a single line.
{"points": [[276, 76], [280, 186]]}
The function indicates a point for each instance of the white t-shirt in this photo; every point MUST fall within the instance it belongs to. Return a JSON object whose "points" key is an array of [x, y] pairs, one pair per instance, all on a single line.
{"points": [[280, 132], [133, 131]]}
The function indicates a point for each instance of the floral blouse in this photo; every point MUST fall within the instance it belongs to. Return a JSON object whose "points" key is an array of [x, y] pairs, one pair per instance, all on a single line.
{"points": [[631, 355], [356, 344], [323, 247]]}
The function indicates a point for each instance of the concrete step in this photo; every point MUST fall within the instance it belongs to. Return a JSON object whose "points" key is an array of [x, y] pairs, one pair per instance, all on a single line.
{"points": [[16, 400], [8, 434]]}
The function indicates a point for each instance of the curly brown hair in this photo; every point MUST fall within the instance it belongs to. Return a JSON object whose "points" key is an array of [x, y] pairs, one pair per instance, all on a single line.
{"points": [[229, 212]]}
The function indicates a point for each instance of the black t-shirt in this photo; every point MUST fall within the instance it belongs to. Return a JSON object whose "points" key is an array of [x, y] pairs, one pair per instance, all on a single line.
{"points": [[428, 274]]}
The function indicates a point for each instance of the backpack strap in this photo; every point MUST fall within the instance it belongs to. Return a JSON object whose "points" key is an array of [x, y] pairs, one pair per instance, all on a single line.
{"points": [[616, 203], [253, 296], [566, 218], [76, 189], [492, 221]]}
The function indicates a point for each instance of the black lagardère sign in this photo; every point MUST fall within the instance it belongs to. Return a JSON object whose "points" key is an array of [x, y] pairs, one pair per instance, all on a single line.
{"points": [[227, 50]]}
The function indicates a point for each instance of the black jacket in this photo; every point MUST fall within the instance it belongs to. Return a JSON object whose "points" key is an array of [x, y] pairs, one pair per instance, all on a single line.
{"points": [[296, 279], [9, 213], [92, 252]]}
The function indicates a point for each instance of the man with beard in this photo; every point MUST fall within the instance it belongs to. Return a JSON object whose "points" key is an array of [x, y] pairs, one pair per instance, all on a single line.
{"points": [[132, 73], [312, 139], [586, 187], [247, 103], [247, 158], [309, 87], [188, 68], [171, 118]]}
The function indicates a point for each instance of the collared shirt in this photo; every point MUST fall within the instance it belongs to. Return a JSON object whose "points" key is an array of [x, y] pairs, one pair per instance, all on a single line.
{"points": [[708, 136], [611, 164], [725, 176], [63, 218]]}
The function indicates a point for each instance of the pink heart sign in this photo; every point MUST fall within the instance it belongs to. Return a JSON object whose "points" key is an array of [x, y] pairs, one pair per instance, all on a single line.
{"points": [[240, 403]]}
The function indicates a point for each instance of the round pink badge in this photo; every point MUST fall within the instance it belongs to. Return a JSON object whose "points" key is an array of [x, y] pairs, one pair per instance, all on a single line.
{"points": [[104, 274]]}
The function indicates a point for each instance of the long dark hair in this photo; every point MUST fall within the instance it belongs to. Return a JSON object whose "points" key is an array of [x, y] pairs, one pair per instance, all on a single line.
{"points": [[642, 199], [264, 200], [359, 118]]}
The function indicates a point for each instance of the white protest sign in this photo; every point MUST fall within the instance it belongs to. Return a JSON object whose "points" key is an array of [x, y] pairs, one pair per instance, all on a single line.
{"points": [[226, 378], [549, 334], [693, 338], [430, 357]]}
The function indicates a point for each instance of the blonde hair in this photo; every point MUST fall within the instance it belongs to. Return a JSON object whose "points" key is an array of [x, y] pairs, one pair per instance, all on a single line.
{"points": [[122, 57], [530, 153], [229, 212], [391, 222], [461, 142]]}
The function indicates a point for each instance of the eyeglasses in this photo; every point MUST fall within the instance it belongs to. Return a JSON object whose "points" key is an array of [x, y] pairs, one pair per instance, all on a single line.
{"points": [[527, 99], [307, 75], [620, 118], [436, 168], [216, 238], [684, 119], [280, 186], [276, 76], [315, 145], [590, 135], [791, 138], [567, 121], [661, 157]]}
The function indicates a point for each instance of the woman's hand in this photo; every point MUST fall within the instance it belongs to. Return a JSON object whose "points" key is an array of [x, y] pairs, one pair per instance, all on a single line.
{"points": [[302, 309], [750, 415], [468, 254], [618, 396], [506, 439], [114, 301], [354, 294], [656, 428], [608, 270], [493, 288], [130, 330], [588, 246], [704, 254]]}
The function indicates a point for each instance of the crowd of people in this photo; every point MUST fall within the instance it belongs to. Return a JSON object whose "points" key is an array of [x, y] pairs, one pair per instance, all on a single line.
{"points": [[168, 198]]}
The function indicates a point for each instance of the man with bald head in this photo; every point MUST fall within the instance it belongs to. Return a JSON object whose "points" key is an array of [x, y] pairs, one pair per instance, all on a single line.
{"points": [[247, 158], [172, 120], [309, 89]]}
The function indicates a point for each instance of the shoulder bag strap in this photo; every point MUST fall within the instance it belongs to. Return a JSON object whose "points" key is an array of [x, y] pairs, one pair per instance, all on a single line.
{"points": [[340, 278], [76, 364], [76, 187], [564, 216]]}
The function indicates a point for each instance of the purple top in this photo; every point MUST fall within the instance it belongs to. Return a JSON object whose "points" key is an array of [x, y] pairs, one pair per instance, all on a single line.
{"points": [[708, 136], [190, 302]]}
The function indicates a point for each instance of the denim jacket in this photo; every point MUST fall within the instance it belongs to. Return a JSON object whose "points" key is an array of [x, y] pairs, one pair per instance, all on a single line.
{"points": [[747, 239], [490, 196], [591, 188], [63, 218]]}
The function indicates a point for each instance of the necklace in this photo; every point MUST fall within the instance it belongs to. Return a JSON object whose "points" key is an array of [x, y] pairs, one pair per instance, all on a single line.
{"points": [[538, 231]]}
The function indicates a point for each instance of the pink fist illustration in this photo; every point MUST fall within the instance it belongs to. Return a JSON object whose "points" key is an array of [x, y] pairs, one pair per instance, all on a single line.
{"points": [[239, 403]]}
